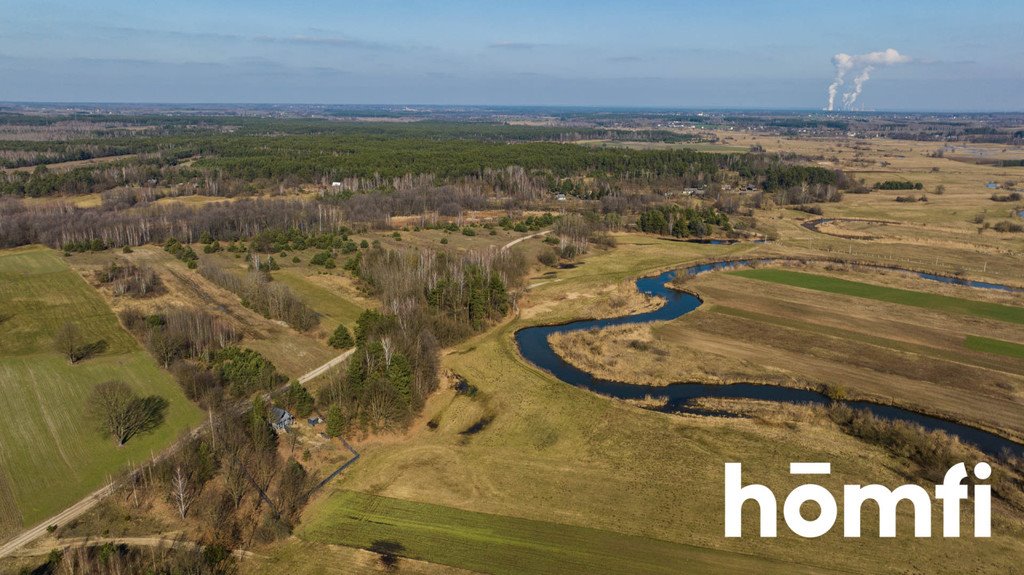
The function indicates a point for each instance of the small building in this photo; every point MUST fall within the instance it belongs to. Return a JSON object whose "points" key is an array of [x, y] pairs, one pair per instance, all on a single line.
{"points": [[280, 418], [335, 184], [560, 197]]}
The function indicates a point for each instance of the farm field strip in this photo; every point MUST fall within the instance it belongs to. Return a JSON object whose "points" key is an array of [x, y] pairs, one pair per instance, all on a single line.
{"points": [[875, 340], [892, 295], [997, 346], [508, 545]]}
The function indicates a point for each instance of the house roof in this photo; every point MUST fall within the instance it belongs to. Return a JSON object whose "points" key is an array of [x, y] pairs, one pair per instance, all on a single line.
{"points": [[278, 414]]}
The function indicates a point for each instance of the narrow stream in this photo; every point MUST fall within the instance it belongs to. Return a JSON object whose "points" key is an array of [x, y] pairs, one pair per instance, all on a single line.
{"points": [[534, 346]]}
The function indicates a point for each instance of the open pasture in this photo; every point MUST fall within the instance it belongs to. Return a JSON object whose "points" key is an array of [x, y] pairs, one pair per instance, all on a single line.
{"points": [[51, 453]]}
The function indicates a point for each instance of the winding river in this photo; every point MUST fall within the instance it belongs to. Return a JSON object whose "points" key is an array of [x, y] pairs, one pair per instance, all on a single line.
{"points": [[534, 346]]}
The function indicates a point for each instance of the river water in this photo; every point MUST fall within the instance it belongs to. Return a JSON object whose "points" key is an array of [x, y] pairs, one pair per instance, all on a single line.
{"points": [[535, 348]]}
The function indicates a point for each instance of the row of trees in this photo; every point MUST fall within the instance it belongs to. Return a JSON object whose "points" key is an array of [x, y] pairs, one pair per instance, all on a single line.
{"points": [[58, 224], [118, 559], [260, 293], [898, 185]]}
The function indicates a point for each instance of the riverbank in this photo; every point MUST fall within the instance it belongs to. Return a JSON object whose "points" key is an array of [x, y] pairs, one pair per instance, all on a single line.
{"points": [[942, 380]]}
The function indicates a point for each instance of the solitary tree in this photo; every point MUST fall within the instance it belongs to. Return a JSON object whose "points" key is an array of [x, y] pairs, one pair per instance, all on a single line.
{"points": [[121, 413], [66, 341]]}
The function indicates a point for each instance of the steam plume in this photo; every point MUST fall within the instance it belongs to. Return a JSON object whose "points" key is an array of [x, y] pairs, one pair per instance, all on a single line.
{"points": [[865, 64]]}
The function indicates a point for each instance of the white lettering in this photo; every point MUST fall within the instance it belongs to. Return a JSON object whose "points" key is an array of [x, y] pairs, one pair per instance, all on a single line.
{"points": [[951, 492]]}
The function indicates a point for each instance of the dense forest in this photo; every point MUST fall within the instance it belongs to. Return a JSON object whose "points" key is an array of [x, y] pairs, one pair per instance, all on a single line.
{"points": [[233, 155]]}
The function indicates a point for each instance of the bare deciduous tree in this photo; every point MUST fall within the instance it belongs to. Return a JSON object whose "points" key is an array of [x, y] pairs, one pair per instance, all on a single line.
{"points": [[389, 350], [121, 413], [182, 493], [66, 341]]}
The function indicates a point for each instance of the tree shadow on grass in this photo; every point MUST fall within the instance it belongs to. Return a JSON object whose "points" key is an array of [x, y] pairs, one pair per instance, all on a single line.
{"points": [[88, 350], [390, 552]]}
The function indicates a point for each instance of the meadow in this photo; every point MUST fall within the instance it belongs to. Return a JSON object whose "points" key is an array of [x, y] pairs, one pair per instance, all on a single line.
{"points": [[558, 455], [52, 454]]}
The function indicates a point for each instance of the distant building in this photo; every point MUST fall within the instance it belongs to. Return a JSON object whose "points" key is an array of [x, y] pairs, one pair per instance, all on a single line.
{"points": [[560, 197], [335, 184], [280, 419]]}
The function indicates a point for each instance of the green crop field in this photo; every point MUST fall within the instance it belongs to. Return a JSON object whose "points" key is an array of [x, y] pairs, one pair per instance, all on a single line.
{"points": [[887, 294], [998, 346], [499, 544], [51, 454]]}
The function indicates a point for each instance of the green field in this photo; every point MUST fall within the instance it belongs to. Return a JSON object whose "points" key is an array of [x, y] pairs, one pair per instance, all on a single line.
{"points": [[509, 545], [887, 294], [51, 455], [997, 346], [333, 308]]}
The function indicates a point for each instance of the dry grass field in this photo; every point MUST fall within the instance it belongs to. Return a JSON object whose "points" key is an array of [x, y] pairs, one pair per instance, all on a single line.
{"points": [[750, 330], [559, 455], [293, 353]]}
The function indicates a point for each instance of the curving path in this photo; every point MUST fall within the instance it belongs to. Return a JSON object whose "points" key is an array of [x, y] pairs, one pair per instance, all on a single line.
{"points": [[535, 348], [168, 540], [524, 238]]}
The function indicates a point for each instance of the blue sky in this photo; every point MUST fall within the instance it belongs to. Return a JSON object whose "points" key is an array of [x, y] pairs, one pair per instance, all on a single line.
{"points": [[964, 56]]}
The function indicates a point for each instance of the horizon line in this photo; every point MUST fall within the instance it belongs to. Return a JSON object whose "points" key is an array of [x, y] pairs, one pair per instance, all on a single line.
{"points": [[595, 107]]}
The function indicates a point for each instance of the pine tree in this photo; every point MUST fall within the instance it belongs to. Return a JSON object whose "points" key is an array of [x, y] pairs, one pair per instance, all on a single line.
{"points": [[341, 338], [337, 423]]}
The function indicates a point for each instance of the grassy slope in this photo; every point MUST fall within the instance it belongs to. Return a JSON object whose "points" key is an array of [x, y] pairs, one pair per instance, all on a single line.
{"points": [[557, 454], [887, 294], [50, 448], [333, 308]]}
